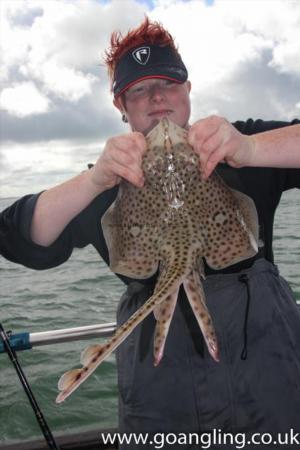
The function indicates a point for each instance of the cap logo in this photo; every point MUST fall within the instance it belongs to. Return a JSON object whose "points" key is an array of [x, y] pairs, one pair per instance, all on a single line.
{"points": [[141, 55]]}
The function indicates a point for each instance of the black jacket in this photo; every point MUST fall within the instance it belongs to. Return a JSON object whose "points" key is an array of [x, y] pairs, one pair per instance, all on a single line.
{"points": [[264, 185]]}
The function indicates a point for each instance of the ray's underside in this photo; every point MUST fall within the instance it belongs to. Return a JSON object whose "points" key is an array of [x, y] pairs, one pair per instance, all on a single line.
{"points": [[171, 224]]}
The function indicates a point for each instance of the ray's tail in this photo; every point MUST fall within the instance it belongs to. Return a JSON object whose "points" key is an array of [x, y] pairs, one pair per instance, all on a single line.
{"points": [[163, 314], [93, 355], [195, 294]]}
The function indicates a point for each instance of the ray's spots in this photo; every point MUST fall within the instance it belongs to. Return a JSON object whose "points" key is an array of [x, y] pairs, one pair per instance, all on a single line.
{"points": [[145, 233]]}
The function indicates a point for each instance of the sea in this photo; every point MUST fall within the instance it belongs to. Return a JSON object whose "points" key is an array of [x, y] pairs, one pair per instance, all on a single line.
{"points": [[84, 292]]}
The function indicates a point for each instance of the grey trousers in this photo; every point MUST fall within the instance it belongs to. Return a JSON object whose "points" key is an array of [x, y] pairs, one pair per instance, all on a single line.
{"points": [[254, 388]]}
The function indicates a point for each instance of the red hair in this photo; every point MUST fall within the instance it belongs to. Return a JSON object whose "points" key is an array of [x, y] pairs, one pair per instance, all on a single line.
{"points": [[147, 33]]}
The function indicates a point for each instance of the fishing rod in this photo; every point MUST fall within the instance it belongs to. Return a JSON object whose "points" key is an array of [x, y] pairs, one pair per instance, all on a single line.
{"points": [[38, 413], [26, 340]]}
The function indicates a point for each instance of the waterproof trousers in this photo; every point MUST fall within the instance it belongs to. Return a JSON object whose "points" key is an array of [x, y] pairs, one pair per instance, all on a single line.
{"points": [[255, 388]]}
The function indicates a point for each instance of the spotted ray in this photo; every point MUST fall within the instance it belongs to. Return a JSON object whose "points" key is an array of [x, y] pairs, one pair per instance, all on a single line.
{"points": [[174, 222], [163, 313]]}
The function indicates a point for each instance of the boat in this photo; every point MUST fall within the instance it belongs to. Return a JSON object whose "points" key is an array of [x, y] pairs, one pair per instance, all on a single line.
{"points": [[89, 440], [12, 343]]}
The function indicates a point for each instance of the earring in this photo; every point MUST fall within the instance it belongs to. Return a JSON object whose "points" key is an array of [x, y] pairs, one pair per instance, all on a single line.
{"points": [[124, 118]]}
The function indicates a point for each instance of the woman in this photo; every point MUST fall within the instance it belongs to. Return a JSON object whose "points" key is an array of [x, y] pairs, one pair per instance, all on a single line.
{"points": [[256, 385]]}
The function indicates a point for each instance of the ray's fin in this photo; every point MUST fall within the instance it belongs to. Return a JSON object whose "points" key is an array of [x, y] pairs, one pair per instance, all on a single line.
{"points": [[88, 354], [195, 294], [95, 354], [91, 357], [249, 212], [163, 313], [68, 378]]}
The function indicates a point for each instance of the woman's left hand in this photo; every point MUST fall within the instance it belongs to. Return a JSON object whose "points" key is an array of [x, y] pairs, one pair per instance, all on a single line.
{"points": [[215, 139]]}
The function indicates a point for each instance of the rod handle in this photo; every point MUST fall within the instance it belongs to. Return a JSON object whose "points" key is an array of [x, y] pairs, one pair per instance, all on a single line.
{"points": [[18, 341]]}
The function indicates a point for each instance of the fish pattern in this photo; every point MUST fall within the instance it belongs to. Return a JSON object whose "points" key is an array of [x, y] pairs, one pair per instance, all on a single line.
{"points": [[170, 226]]}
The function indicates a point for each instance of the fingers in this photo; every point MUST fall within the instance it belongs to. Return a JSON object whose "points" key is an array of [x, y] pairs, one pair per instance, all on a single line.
{"points": [[140, 141], [216, 149], [121, 158], [126, 154], [201, 130], [214, 139], [125, 165], [213, 159], [207, 137]]}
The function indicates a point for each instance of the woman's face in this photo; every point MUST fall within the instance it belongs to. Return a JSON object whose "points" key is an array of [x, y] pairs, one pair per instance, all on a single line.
{"points": [[147, 101]]}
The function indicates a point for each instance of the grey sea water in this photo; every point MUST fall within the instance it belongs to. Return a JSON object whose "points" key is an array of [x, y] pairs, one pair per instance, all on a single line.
{"points": [[84, 292]]}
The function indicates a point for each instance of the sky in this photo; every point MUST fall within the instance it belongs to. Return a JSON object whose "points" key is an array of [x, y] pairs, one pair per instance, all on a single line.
{"points": [[56, 110]]}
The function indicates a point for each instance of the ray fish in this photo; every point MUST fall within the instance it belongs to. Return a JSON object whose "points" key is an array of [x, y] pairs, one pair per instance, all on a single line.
{"points": [[170, 226]]}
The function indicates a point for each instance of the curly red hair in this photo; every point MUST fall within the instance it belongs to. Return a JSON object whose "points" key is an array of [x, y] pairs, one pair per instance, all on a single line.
{"points": [[147, 33]]}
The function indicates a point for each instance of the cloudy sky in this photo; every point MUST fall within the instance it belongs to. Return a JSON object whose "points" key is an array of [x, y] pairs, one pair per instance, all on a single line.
{"points": [[56, 109]]}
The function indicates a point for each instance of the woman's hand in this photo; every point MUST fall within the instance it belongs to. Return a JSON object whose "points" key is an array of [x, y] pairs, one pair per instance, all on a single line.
{"points": [[121, 158], [214, 139], [56, 207]]}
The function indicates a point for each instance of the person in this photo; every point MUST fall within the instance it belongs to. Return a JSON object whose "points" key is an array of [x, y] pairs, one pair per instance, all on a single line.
{"points": [[255, 388]]}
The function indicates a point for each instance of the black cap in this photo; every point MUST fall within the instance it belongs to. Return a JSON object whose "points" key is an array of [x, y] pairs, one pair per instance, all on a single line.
{"points": [[148, 61]]}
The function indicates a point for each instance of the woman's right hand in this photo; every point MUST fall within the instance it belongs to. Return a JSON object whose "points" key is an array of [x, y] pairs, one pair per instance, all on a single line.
{"points": [[56, 207], [121, 158]]}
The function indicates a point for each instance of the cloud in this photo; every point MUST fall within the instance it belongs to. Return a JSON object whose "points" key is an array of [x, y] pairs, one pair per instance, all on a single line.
{"points": [[286, 57], [24, 99], [64, 82], [237, 57], [54, 52], [242, 63], [57, 44], [43, 164], [217, 40]]}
